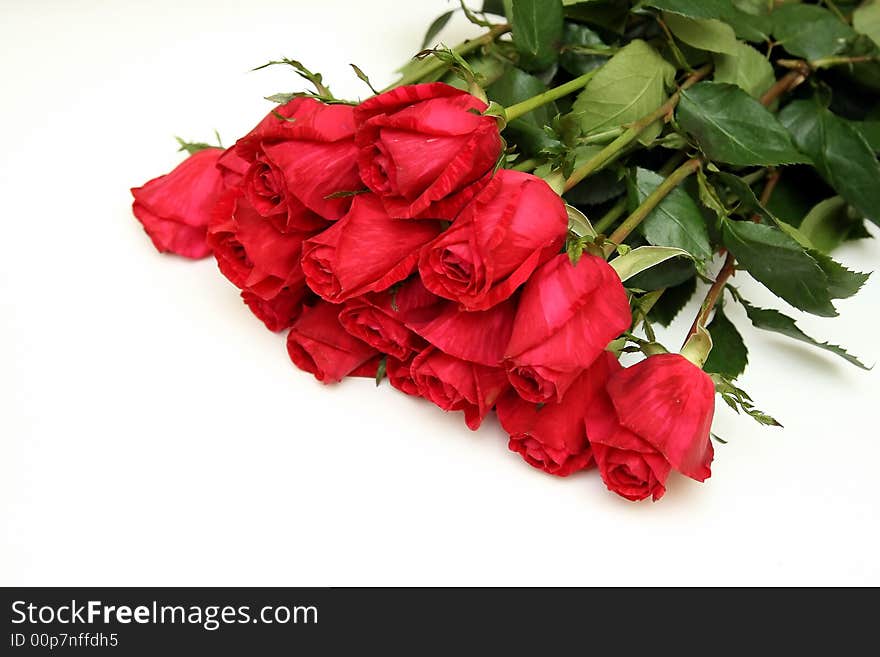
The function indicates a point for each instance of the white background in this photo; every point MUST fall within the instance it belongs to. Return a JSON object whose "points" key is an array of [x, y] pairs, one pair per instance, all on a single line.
{"points": [[153, 432]]}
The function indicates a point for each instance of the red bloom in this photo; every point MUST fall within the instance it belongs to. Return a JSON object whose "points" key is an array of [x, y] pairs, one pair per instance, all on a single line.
{"points": [[668, 402], [478, 337], [400, 376], [294, 167], [175, 208], [552, 436], [629, 466], [567, 316], [457, 385], [257, 258], [318, 344], [365, 251], [279, 312], [516, 223], [378, 319], [422, 148]]}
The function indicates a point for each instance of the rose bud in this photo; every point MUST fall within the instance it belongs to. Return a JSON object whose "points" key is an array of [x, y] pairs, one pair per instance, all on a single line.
{"points": [[423, 147], [378, 318], [400, 376], [299, 157], [567, 316], [318, 344], [552, 436], [175, 208], [458, 385], [668, 402], [513, 225], [258, 258], [365, 251], [629, 465]]}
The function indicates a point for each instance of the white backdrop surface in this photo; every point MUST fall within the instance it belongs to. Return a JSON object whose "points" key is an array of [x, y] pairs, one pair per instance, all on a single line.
{"points": [[154, 433]]}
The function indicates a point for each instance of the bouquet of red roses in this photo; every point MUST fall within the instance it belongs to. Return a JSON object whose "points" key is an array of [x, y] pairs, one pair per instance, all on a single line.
{"points": [[441, 233]]}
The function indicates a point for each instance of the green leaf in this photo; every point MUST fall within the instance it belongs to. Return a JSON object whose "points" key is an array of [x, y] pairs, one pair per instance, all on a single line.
{"points": [[729, 355], [537, 32], [840, 154], [667, 274], [732, 127], [642, 258], [631, 85], [578, 223], [870, 132], [676, 221], [747, 26], [435, 27], [702, 33], [363, 77], [580, 36], [610, 15], [842, 282], [193, 147], [739, 400], [773, 320], [709, 196], [746, 68], [866, 20], [516, 86], [749, 203], [828, 223], [528, 131], [809, 31], [673, 300], [781, 264]]}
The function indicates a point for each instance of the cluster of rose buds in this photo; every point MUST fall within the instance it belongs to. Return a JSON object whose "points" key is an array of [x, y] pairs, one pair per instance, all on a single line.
{"points": [[385, 240]]}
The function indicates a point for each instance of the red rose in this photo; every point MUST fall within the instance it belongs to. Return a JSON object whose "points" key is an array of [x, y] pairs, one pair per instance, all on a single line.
{"points": [[458, 385], [629, 466], [400, 376], [295, 166], [318, 344], [567, 316], [422, 148], [477, 337], [515, 223], [552, 436], [279, 312], [175, 208], [378, 318], [259, 259], [668, 403], [365, 251]]}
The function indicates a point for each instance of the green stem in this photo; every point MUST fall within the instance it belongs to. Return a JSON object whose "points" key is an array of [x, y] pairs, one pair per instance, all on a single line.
{"points": [[607, 220], [652, 201], [613, 150], [526, 165], [601, 137], [434, 65], [828, 62], [529, 104]]}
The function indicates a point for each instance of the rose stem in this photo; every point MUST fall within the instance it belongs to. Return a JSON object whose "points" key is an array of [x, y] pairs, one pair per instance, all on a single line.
{"points": [[612, 150], [607, 220], [526, 165], [652, 201], [529, 104], [462, 49]]}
